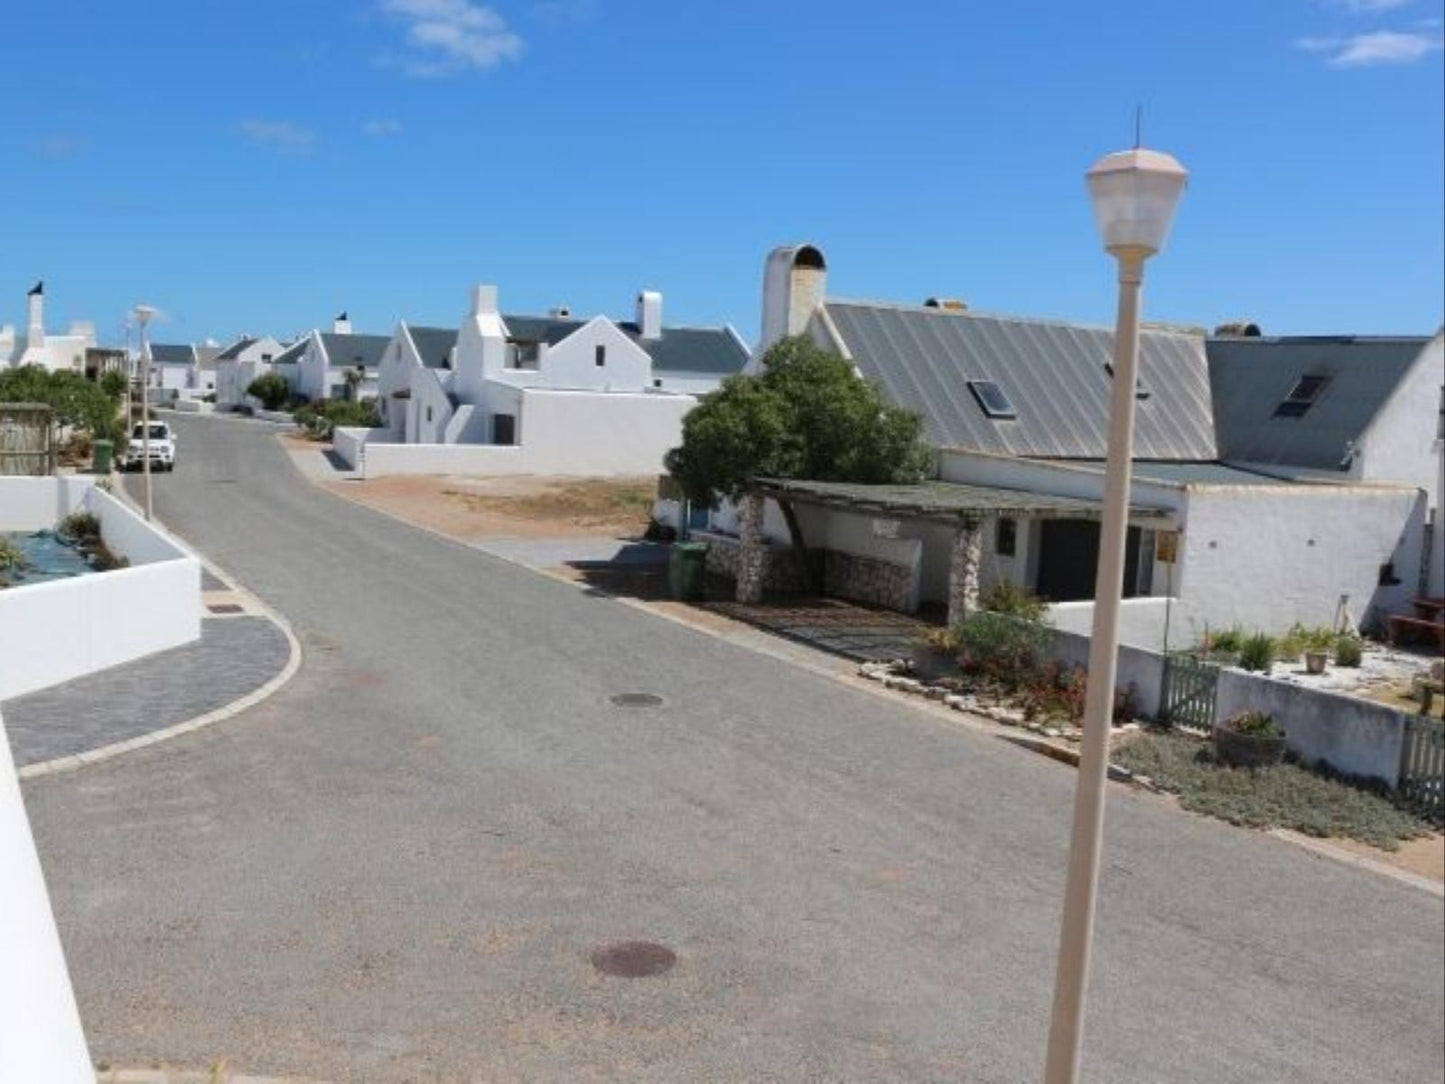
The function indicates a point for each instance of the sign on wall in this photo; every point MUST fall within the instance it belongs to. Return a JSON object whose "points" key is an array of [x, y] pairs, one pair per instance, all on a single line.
{"points": [[1166, 547]]}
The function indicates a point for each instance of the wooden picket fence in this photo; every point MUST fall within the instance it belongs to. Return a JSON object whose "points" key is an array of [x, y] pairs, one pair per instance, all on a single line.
{"points": [[1422, 766], [27, 439]]}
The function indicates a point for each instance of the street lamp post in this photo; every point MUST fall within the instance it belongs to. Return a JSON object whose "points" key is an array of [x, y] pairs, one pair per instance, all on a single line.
{"points": [[143, 314], [1135, 193]]}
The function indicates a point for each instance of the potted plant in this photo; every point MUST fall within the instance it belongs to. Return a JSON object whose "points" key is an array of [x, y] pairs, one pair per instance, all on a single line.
{"points": [[1249, 739], [935, 654], [1315, 660]]}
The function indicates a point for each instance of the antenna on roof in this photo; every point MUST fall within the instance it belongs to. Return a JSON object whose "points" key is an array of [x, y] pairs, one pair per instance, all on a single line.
{"points": [[1138, 124]]}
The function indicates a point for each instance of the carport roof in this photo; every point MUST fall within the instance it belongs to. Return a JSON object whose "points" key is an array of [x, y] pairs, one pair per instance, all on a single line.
{"points": [[944, 501]]}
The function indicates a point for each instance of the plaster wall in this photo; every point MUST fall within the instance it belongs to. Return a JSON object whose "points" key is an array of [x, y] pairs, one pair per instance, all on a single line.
{"points": [[1403, 443]]}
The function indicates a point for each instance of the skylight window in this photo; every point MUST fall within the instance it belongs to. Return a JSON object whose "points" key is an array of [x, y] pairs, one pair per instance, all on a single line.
{"points": [[991, 398], [1302, 396]]}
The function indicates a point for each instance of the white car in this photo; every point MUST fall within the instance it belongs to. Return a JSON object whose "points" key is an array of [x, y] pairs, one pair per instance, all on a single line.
{"points": [[162, 448]]}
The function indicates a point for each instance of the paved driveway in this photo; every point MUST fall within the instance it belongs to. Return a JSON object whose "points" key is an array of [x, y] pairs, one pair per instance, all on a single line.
{"points": [[397, 868]]}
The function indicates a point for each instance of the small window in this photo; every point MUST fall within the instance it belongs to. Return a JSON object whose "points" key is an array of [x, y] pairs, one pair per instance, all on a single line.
{"points": [[504, 429], [265, 357], [1302, 396], [428, 413], [991, 398], [657, 383], [1440, 425], [601, 356], [1006, 537], [1140, 391]]}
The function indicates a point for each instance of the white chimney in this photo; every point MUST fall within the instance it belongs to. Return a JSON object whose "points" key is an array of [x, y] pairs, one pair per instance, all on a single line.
{"points": [[484, 300], [795, 284], [341, 325], [36, 330], [649, 314]]}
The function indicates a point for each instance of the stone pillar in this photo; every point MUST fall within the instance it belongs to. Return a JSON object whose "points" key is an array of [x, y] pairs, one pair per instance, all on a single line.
{"points": [[963, 571], [752, 549]]}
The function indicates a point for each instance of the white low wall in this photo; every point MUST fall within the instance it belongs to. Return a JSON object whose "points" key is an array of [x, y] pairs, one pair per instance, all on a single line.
{"points": [[1141, 621], [1142, 669], [284, 417], [193, 406], [63, 629]]}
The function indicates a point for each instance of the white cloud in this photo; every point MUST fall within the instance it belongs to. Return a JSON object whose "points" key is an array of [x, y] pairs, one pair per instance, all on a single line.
{"points": [[280, 134], [1380, 47], [444, 37], [381, 128]]}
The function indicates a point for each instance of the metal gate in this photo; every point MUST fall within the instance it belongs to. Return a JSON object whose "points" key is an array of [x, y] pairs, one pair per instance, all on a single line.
{"points": [[27, 439], [1422, 766], [1189, 688]]}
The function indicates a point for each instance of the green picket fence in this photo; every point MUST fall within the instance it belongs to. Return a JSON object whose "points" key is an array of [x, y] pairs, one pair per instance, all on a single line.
{"points": [[1189, 692]]}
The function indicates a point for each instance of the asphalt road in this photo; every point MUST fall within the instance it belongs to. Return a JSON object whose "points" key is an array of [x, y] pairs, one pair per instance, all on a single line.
{"points": [[397, 868]]}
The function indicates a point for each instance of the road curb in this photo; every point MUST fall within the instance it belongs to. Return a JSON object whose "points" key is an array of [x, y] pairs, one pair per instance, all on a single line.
{"points": [[1325, 849], [74, 761]]}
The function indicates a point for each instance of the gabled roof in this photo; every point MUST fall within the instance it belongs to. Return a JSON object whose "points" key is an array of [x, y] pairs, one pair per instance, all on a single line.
{"points": [[433, 344], [172, 354], [1052, 373], [236, 349], [712, 350], [293, 353], [349, 351], [207, 355], [1251, 377]]}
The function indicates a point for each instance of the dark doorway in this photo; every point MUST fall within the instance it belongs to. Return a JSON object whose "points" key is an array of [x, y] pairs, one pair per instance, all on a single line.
{"points": [[1069, 560], [504, 429]]}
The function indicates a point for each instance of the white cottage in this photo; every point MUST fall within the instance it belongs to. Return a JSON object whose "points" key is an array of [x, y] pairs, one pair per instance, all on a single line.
{"points": [[37, 346]]}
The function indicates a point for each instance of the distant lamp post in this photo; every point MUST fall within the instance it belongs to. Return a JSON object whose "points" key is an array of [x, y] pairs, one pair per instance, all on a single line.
{"points": [[143, 316], [1135, 194]]}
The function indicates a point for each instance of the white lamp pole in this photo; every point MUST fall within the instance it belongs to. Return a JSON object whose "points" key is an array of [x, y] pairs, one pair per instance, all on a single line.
{"points": [[1135, 194], [143, 314]]}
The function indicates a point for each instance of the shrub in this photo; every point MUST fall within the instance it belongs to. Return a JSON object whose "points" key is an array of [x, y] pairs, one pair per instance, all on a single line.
{"points": [[272, 389], [1007, 597], [939, 640], [76, 401], [1348, 651], [1255, 724], [1257, 652], [11, 556], [82, 526], [1229, 640], [1002, 647], [1301, 638], [113, 383]]}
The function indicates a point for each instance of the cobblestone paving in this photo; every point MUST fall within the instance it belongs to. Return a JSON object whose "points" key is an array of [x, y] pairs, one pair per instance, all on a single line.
{"points": [[233, 657]]}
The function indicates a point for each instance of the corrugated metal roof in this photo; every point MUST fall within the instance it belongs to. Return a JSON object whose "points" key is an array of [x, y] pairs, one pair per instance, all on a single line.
{"points": [[940, 500], [711, 350], [1250, 377], [349, 351], [172, 353], [434, 344], [1052, 372]]}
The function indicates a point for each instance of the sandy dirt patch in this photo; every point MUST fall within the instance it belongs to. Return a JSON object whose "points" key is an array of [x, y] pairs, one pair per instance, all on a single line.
{"points": [[1424, 857], [469, 509]]}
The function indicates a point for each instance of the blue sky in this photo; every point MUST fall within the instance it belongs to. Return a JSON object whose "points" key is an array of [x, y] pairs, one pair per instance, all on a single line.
{"points": [[261, 165]]}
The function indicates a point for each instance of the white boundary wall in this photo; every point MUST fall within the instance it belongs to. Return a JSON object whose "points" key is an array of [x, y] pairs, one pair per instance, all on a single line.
{"points": [[578, 434], [63, 629]]}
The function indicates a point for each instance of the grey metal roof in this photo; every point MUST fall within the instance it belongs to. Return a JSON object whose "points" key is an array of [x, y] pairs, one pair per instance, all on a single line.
{"points": [[940, 500], [1052, 372], [172, 353], [235, 349], [711, 350], [1250, 377], [1195, 474], [434, 344], [207, 356], [292, 354], [349, 351]]}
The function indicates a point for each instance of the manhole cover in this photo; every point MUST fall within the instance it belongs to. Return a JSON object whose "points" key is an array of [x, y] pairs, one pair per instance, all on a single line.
{"points": [[633, 959], [223, 608], [636, 700]]}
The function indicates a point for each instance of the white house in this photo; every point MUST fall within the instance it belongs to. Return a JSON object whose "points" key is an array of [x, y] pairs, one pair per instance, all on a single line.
{"points": [[337, 364], [239, 364], [542, 394], [47, 349], [180, 370], [1276, 480]]}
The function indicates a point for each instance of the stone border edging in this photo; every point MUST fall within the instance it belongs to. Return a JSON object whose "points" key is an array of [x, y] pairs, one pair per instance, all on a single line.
{"points": [[73, 761], [219, 1075]]}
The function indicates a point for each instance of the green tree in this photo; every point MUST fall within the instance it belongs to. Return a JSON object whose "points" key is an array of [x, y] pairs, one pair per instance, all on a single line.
{"points": [[77, 402], [807, 414], [271, 389], [112, 383]]}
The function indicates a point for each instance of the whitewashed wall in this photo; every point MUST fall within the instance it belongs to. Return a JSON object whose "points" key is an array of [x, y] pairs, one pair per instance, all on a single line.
{"points": [[1403, 443], [53, 632]]}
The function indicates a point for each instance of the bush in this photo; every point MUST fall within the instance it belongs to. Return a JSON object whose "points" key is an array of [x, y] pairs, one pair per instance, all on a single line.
{"points": [[1255, 724], [11, 555], [1003, 647], [76, 401], [112, 383], [1228, 640], [81, 526], [1257, 652], [1348, 651], [1301, 638], [272, 389], [1007, 597]]}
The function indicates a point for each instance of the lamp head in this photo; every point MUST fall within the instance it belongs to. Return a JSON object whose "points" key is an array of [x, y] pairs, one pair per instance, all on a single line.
{"points": [[143, 314], [1135, 194]]}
